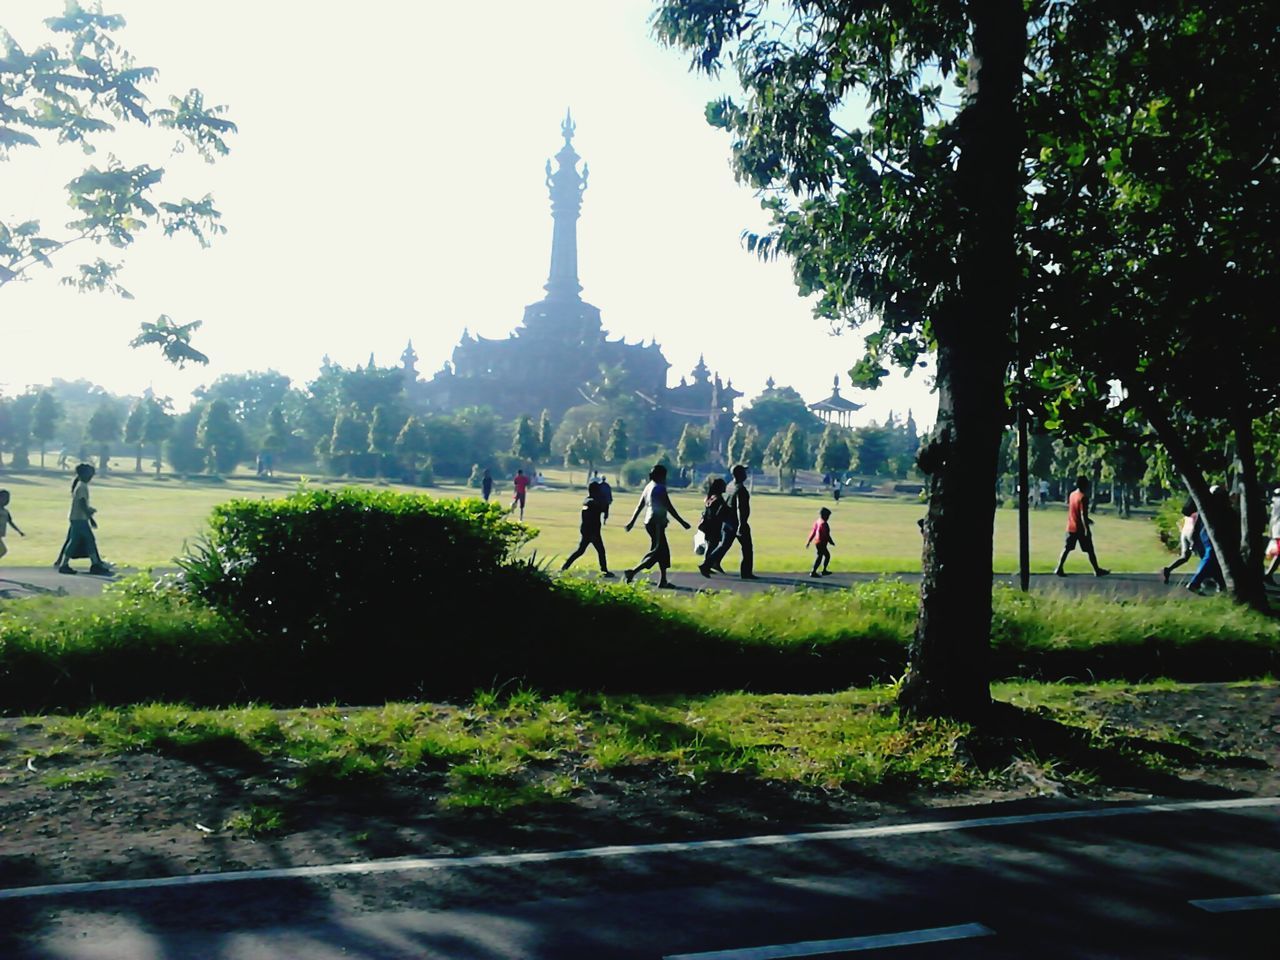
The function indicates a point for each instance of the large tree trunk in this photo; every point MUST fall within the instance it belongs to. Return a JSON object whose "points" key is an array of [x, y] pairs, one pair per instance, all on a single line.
{"points": [[1224, 528], [948, 674], [1253, 515]]}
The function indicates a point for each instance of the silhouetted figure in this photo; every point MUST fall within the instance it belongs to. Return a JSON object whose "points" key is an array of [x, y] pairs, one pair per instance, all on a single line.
{"points": [[737, 526], [821, 533], [521, 484], [486, 486], [1274, 546], [657, 507], [80, 540], [593, 508], [6, 521], [1078, 532], [1188, 538], [606, 497], [715, 513]]}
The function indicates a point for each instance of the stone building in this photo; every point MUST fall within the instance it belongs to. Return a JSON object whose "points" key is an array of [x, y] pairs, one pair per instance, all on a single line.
{"points": [[550, 361]]}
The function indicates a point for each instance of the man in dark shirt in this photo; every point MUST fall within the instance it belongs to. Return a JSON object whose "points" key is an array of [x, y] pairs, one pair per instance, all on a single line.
{"points": [[737, 526]]}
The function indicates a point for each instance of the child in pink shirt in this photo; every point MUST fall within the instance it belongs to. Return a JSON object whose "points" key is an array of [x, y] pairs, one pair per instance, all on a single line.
{"points": [[821, 533]]}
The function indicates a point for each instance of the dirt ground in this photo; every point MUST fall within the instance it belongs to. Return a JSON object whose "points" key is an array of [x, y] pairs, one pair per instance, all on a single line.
{"points": [[162, 815]]}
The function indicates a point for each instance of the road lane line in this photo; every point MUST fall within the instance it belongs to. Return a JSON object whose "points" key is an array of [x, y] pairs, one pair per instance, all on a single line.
{"points": [[1270, 901], [812, 948], [407, 864]]}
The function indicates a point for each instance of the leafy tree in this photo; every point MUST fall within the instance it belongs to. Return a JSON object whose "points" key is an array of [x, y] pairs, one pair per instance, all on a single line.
{"points": [[221, 437], [277, 437], [753, 450], [173, 339], [873, 445], [383, 431], [737, 445], [413, 443], [590, 448], [349, 439], [907, 221], [546, 431], [617, 445], [133, 427], [794, 454], [776, 409], [1155, 218], [833, 451], [691, 450], [772, 456], [104, 429], [184, 453], [45, 416], [74, 88], [252, 397], [158, 425], [525, 442]]}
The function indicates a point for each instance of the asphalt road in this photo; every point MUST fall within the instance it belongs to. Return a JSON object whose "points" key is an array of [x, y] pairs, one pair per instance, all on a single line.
{"points": [[1150, 884], [31, 581]]}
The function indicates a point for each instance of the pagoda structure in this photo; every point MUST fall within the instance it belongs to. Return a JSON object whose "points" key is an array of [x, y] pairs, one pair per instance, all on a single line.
{"points": [[835, 408]]}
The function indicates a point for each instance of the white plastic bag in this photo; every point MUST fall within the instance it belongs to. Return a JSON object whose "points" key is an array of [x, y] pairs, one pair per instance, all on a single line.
{"points": [[700, 543]]}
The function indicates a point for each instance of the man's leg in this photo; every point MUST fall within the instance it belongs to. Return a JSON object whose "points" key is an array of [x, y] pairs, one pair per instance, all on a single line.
{"points": [[716, 557], [582, 548], [1066, 549], [747, 569], [598, 542], [1093, 558]]}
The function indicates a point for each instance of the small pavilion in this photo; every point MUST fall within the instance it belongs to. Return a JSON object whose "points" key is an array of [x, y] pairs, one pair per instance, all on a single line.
{"points": [[835, 408]]}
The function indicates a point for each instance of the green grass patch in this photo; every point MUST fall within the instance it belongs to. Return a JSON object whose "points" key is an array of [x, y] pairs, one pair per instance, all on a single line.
{"points": [[78, 780], [501, 751]]}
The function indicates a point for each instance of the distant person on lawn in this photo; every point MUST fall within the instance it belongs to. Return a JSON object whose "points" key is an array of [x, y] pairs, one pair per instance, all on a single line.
{"points": [[521, 484], [1273, 547], [80, 540], [737, 526], [821, 533], [6, 521], [593, 509], [657, 508], [486, 486], [1078, 522]]}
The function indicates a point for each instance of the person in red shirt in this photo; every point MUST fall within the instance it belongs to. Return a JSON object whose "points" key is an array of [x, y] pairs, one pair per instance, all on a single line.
{"points": [[1078, 532], [821, 532], [521, 484]]}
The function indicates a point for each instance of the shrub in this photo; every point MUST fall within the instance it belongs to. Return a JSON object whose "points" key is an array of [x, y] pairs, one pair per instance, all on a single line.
{"points": [[1168, 521], [360, 572], [427, 475]]}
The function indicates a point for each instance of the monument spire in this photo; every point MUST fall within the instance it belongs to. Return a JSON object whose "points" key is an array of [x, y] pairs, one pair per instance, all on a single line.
{"points": [[565, 186]]}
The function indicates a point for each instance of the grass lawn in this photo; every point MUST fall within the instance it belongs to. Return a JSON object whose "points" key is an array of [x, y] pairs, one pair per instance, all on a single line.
{"points": [[144, 522]]}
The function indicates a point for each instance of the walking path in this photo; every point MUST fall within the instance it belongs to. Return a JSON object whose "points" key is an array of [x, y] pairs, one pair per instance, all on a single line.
{"points": [[18, 582]]}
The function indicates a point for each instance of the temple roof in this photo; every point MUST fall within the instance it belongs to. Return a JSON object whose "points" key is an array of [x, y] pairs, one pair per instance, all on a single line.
{"points": [[835, 401]]}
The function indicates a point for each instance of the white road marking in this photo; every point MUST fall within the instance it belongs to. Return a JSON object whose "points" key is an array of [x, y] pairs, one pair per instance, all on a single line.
{"points": [[812, 948], [407, 864], [1270, 901]]}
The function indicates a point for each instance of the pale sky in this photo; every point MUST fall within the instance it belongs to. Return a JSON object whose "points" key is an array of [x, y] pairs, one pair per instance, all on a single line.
{"points": [[387, 184]]}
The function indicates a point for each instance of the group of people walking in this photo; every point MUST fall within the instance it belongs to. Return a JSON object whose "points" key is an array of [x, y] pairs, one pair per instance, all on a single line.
{"points": [[80, 542]]}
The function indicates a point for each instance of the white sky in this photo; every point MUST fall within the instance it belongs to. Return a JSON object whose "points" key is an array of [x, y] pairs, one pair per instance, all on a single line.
{"points": [[387, 183]]}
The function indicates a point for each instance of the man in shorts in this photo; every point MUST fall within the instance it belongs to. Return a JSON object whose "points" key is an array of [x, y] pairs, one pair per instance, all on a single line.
{"points": [[1078, 532]]}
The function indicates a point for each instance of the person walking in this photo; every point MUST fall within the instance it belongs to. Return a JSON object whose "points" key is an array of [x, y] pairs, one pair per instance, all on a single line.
{"points": [[486, 486], [6, 521], [821, 533], [657, 507], [1210, 568], [737, 526], [715, 511], [521, 484], [1188, 538], [606, 497], [1274, 546], [1078, 522], [593, 508], [80, 540]]}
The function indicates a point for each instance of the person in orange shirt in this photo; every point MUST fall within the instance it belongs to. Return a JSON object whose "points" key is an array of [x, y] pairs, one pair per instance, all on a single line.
{"points": [[520, 483], [821, 532], [1078, 532]]}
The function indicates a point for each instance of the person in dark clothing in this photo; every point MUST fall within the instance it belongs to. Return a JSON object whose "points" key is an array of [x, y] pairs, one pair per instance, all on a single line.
{"points": [[592, 514], [657, 507], [486, 486], [606, 497], [737, 526], [715, 512], [80, 540], [1210, 567]]}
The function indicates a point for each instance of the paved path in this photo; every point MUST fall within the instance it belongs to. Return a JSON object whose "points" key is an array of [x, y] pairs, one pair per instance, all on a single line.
{"points": [[31, 581], [1039, 879]]}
